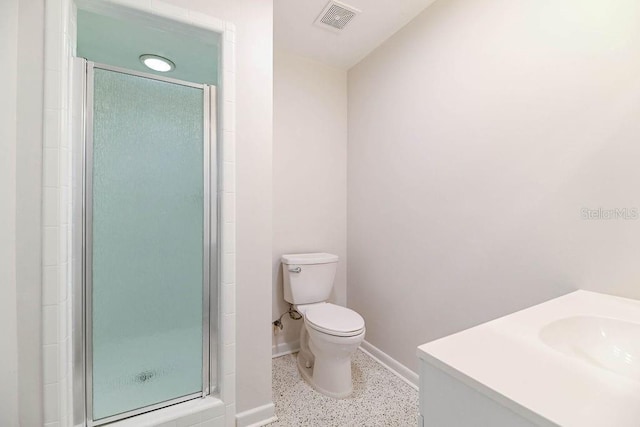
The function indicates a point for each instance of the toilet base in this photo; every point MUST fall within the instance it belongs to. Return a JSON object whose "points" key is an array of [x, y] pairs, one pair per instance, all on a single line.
{"points": [[307, 374]]}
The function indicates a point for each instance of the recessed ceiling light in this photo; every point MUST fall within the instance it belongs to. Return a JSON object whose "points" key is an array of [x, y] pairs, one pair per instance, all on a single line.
{"points": [[157, 63]]}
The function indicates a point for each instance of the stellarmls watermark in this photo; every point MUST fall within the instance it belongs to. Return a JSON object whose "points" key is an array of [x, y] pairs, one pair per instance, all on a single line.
{"points": [[601, 214]]}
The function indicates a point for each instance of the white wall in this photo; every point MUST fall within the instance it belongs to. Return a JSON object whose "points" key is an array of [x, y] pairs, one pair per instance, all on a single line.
{"points": [[309, 172], [8, 117], [476, 135], [28, 210]]}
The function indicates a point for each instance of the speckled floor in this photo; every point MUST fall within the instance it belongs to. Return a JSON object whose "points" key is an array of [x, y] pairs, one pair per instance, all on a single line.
{"points": [[379, 398]]}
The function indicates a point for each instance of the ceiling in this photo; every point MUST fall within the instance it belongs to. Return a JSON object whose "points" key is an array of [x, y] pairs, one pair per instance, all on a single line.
{"points": [[294, 28], [121, 40]]}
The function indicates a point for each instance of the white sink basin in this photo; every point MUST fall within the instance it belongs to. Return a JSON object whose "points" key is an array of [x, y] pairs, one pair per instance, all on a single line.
{"points": [[609, 344]]}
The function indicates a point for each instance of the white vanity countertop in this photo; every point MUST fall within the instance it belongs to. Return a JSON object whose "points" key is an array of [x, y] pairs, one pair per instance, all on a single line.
{"points": [[506, 360]]}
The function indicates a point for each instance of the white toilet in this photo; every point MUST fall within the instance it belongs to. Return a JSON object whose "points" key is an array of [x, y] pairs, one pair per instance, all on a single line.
{"points": [[331, 333]]}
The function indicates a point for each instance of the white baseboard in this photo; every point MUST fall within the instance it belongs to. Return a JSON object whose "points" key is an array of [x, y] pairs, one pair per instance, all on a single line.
{"points": [[397, 368], [257, 417], [284, 348]]}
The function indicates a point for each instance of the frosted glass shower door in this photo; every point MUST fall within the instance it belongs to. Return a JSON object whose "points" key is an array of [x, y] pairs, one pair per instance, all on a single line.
{"points": [[147, 262]]}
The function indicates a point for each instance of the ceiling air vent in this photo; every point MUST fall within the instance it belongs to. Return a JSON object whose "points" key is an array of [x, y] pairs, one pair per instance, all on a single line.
{"points": [[336, 16]]}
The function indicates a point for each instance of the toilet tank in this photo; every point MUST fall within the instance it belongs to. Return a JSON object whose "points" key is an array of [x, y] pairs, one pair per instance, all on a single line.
{"points": [[308, 278]]}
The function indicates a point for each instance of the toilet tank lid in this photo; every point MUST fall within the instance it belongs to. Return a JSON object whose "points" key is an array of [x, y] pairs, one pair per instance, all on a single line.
{"points": [[302, 259]]}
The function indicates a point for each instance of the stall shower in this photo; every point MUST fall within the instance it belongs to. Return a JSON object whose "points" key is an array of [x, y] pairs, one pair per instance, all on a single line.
{"points": [[148, 288]]}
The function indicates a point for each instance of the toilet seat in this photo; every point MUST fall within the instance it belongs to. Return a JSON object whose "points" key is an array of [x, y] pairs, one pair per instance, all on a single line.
{"points": [[334, 320]]}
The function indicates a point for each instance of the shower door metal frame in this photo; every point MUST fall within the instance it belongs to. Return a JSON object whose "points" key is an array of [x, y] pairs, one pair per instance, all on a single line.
{"points": [[83, 324]]}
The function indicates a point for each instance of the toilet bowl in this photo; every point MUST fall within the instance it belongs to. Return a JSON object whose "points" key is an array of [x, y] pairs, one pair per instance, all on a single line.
{"points": [[329, 337], [331, 333]]}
